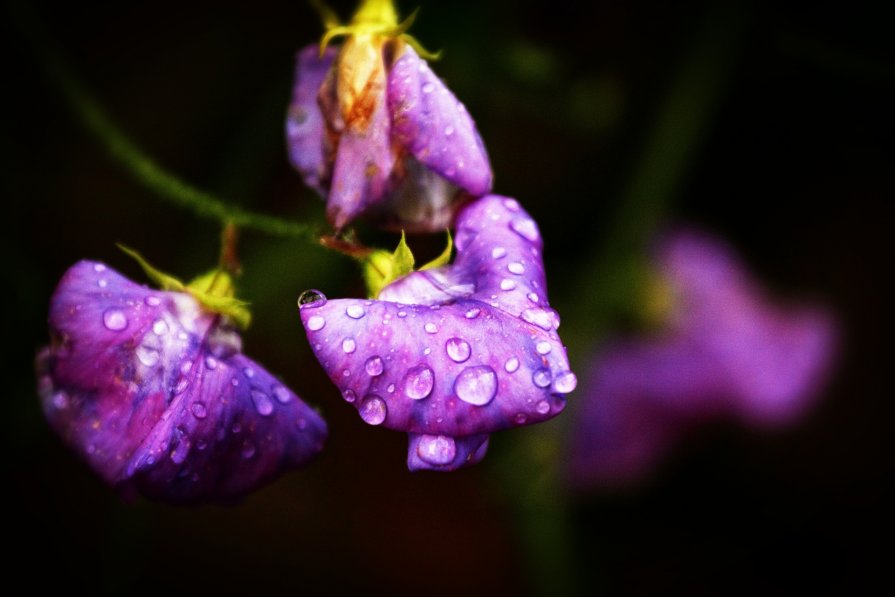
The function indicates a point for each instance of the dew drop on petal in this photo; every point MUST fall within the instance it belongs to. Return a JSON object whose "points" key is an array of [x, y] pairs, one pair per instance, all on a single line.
{"points": [[448, 131], [311, 298], [543, 347], [349, 395], [160, 328], [533, 297], [418, 382], [507, 284], [153, 301], [211, 363], [437, 450], [458, 349], [402, 314], [316, 322], [249, 372], [99, 267], [263, 403], [348, 345], [355, 311], [102, 283], [473, 313], [541, 378], [374, 366], [565, 382], [520, 419], [512, 365], [476, 385], [511, 204], [498, 252], [281, 394], [516, 267], [526, 228], [198, 409], [431, 328], [540, 317], [114, 320], [148, 356], [428, 87], [543, 407], [373, 410]]}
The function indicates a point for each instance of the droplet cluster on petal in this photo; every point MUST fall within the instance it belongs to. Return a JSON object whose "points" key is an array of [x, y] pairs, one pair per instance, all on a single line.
{"points": [[448, 355], [154, 393]]}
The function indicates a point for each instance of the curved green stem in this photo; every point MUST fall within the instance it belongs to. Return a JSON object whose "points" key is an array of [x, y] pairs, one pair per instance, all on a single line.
{"points": [[166, 185]]}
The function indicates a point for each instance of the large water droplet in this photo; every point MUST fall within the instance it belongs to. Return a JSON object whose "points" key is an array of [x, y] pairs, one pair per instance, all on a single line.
{"points": [[516, 267], [355, 311], [316, 322], [565, 382], [526, 228], [533, 297], [539, 317], [374, 366], [543, 347], [311, 298], [263, 403], [419, 382], [160, 328], [498, 252], [281, 394], [473, 313], [507, 284], [541, 378], [458, 349], [148, 355], [512, 365], [373, 410], [114, 320], [476, 385], [198, 409], [431, 328], [349, 345], [437, 450]]}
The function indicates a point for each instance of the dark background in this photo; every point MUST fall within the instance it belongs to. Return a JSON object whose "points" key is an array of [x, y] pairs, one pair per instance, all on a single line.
{"points": [[780, 140]]}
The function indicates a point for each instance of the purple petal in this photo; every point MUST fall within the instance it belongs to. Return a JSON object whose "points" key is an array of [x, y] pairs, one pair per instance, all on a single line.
{"points": [[453, 351], [140, 384], [305, 126], [445, 453], [434, 126]]}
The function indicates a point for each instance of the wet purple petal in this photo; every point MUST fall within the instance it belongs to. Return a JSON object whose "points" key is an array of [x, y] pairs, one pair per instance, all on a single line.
{"points": [[726, 351], [445, 453], [154, 394], [448, 351], [434, 126], [305, 126]]}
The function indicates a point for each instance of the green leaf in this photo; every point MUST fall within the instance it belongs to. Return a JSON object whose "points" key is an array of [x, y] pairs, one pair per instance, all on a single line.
{"points": [[161, 279], [381, 268]]}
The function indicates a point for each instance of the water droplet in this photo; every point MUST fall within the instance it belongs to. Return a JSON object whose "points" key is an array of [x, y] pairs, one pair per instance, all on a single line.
{"points": [[520, 419], [448, 131], [346, 373], [199, 410], [543, 407], [185, 368], [153, 301], [102, 283], [373, 410], [349, 345], [473, 313], [179, 454], [507, 284], [311, 298], [281, 394], [248, 450], [374, 366], [539, 317], [160, 328], [543, 347], [427, 351], [431, 328], [565, 382], [437, 450], [263, 403], [114, 320], [476, 385], [355, 311], [316, 322], [402, 313], [391, 388], [533, 297], [428, 87], [498, 252], [349, 395], [182, 385], [419, 382], [249, 372], [211, 363], [458, 349], [526, 228], [516, 267], [99, 267], [541, 378], [511, 365], [148, 356], [511, 204]]}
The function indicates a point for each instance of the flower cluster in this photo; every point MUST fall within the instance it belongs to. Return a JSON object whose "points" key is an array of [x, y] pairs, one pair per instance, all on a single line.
{"points": [[723, 350]]}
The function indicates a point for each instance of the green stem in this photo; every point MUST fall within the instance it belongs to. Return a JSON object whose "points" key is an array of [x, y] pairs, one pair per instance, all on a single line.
{"points": [[166, 185]]}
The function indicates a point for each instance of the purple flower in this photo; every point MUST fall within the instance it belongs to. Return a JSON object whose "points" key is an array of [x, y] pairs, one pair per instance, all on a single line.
{"points": [[451, 354], [374, 130], [151, 389], [723, 351]]}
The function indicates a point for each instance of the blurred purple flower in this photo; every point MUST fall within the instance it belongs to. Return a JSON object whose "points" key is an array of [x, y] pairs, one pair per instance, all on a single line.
{"points": [[153, 392], [723, 350], [374, 130], [451, 354]]}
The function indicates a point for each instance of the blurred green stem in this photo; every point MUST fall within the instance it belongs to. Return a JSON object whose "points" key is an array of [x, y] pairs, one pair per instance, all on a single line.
{"points": [[166, 185]]}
